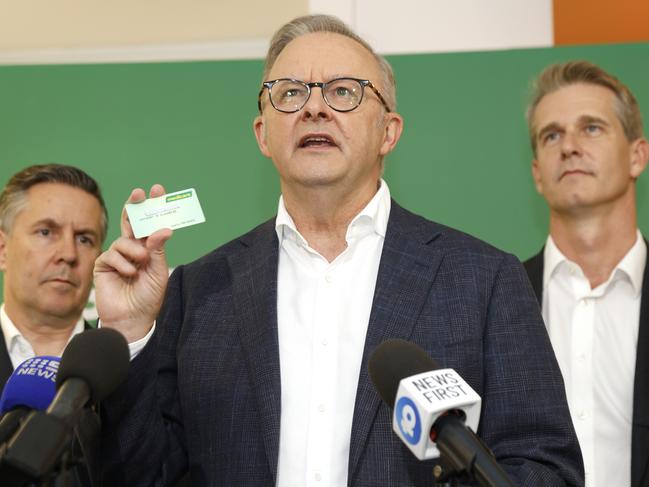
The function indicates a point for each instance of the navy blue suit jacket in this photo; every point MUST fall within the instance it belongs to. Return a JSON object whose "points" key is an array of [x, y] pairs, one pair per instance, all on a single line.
{"points": [[640, 428], [204, 394]]}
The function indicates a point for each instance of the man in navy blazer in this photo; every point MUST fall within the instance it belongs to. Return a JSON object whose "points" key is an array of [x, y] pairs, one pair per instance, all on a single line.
{"points": [[255, 372], [592, 278]]}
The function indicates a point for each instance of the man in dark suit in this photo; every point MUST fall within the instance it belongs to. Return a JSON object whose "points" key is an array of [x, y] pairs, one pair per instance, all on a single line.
{"points": [[52, 225], [591, 278], [255, 372]]}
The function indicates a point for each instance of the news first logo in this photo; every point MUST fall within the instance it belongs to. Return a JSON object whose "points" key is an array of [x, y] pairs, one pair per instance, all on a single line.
{"points": [[43, 367], [422, 398]]}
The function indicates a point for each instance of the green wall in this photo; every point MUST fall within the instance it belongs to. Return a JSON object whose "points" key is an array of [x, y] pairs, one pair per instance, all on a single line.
{"points": [[463, 159]]}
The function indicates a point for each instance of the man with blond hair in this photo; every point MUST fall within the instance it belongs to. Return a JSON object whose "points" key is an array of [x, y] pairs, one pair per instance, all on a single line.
{"points": [[592, 278], [255, 372]]}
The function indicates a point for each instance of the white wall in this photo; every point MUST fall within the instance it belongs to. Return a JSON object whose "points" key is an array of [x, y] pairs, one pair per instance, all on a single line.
{"points": [[132, 30], [44, 31]]}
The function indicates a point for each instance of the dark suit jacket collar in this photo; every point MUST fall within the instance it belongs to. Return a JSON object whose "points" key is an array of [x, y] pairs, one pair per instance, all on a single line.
{"points": [[640, 432], [408, 262], [640, 435], [6, 367], [408, 266], [254, 289]]}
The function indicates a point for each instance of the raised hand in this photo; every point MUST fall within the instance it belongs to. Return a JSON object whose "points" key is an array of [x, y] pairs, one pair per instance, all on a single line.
{"points": [[131, 277]]}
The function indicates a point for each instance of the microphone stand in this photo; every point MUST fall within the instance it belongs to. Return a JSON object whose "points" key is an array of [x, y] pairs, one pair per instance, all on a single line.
{"points": [[462, 457], [40, 454]]}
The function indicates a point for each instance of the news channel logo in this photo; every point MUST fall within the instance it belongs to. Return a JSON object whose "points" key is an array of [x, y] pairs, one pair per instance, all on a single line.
{"points": [[408, 420]]}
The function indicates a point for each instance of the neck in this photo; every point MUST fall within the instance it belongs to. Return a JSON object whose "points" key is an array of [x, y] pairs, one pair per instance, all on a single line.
{"points": [[597, 240], [47, 334], [322, 215]]}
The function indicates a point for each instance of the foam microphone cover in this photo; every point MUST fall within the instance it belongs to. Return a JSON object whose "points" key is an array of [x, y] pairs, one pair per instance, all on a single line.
{"points": [[99, 357], [394, 360]]}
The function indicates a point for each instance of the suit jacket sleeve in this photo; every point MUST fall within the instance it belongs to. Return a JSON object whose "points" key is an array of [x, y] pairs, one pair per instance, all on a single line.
{"points": [[525, 417], [142, 436]]}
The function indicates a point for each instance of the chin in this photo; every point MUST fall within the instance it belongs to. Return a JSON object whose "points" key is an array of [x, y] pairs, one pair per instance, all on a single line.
{"points": [[317, 180]]}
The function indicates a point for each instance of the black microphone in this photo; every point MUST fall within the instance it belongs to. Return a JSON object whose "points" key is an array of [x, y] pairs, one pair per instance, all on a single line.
{"points": [[93, 365], [432, 407]]}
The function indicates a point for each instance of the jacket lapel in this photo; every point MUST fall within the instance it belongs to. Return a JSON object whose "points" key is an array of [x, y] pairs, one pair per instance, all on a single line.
{"points": [[406, 272], [6, 367], [254, 271], [640, 432], [534, 268]]}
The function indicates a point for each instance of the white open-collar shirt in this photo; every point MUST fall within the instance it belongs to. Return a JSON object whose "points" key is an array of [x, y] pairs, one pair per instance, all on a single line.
{"points": [[323, 310]]}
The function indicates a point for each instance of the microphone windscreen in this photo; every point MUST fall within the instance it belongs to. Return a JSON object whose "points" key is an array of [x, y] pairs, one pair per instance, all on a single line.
{"points": [[32, 384], [100, 357], [394, 360]]}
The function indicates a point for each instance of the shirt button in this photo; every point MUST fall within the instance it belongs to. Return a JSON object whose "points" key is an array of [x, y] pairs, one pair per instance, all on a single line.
{"points": [[582, 415], [318, 476], [328, 278], [581, 358], [324, 342], [321, 408]]}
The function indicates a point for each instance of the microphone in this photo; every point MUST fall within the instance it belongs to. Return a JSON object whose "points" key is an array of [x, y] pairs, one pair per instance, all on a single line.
{"points": [[31, 386], [93, 365], [435, 411]]}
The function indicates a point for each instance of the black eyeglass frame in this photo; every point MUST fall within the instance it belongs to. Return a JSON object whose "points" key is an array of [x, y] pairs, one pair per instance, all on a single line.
{"points": [[322, 85]]}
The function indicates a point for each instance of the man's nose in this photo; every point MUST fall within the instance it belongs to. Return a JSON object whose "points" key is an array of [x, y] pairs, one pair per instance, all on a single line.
{"points": [[316, 107], [67, 249], [570, 144]]}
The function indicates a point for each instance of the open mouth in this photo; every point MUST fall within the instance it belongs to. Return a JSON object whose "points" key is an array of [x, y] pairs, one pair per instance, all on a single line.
{"points": [[317, 140]]}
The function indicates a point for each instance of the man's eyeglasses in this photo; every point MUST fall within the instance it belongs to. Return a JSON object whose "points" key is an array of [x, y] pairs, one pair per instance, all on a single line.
{"points": [[342, 94]]}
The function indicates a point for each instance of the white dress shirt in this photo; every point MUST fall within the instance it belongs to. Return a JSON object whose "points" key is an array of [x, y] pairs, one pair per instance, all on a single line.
{"points": [[18, 347], [323, 311], [594, 333]]}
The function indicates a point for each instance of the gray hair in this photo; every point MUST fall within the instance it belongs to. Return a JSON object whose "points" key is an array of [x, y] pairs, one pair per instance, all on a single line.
{"points": [[560, 75], [13, 198], [310, 24]]}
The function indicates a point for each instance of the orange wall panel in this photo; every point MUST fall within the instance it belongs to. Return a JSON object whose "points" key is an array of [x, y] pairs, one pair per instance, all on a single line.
{"points": [[600, 21]]}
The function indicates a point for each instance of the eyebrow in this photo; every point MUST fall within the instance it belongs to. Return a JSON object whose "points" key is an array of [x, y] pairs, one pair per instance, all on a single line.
{"points": [[551, 127], [586, 119], [328, 78]]}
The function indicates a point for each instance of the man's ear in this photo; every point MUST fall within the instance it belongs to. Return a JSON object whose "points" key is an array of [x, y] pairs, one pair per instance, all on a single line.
{"points": [[3, 251], [393, 129], [259, 127], [639, 156]]}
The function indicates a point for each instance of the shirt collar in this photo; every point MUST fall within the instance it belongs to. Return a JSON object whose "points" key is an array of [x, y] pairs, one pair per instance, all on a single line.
{"points": [[11, 333], [632, 264], [372, 218]]}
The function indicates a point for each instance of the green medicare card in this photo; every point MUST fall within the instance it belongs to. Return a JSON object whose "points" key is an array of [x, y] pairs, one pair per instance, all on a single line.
{"points": [[173, 210]]}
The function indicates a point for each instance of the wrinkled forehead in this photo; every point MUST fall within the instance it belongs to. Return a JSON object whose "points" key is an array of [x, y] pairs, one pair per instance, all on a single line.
{"points": [[322, 56]]}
